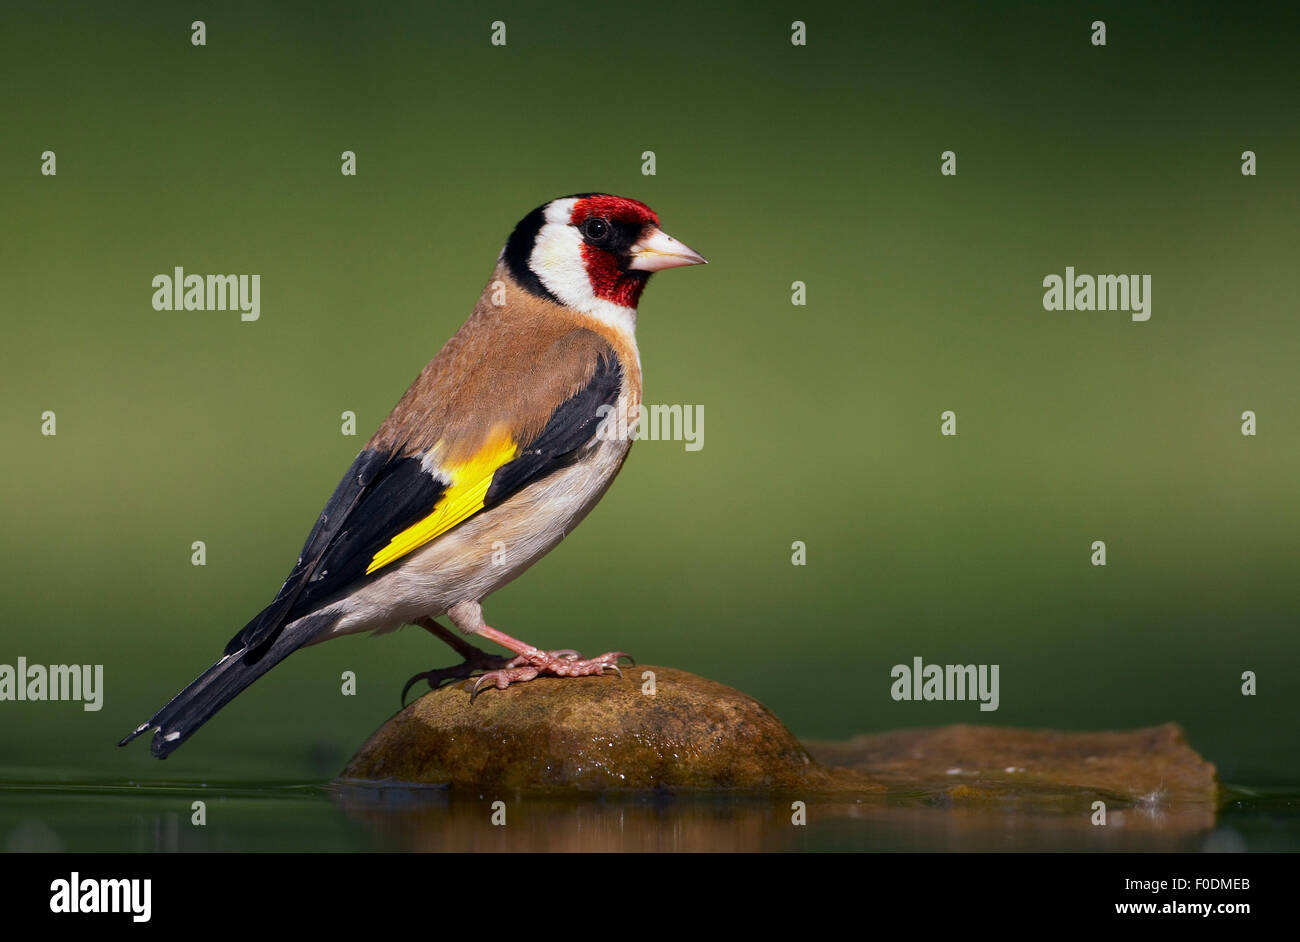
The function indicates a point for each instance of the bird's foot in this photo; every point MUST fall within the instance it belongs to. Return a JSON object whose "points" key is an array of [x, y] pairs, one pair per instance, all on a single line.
{"points": [[565, 663], [475, 661]]}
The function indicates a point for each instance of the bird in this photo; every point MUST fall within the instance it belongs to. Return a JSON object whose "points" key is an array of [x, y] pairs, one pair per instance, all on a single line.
{"points": [[498, 449]]}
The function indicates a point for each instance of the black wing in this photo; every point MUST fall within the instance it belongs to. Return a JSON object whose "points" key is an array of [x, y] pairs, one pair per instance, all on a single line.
{"points": [[381, 494]]}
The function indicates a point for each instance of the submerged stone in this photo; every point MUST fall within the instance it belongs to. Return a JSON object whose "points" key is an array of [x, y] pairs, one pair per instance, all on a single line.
{"points": [[1150, 767], [594, 734]]}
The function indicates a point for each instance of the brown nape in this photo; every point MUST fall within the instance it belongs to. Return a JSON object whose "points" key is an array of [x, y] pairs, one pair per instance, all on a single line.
{"points": [[504, 371]]}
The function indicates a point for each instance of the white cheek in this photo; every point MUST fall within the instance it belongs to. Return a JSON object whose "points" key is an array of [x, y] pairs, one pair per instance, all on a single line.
{"points": [[560, 211], [557, 261]]}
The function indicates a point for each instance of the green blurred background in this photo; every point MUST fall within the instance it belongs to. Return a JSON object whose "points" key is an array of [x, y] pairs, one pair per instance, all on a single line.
{"points": [[779, 163]]}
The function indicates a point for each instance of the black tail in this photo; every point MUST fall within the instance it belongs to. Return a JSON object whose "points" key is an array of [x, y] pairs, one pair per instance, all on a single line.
{"points": [[221, 683]]}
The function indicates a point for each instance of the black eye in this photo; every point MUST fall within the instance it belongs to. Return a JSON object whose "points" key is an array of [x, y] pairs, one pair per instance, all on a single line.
{"points": [[595, 229]]}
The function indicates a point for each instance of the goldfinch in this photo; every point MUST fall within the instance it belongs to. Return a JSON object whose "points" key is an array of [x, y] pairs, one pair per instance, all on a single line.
{"points": [[497, 450]]}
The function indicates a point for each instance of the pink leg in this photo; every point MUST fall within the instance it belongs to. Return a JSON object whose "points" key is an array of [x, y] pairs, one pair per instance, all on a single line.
{"points": [[474, 660], [530, 662]]}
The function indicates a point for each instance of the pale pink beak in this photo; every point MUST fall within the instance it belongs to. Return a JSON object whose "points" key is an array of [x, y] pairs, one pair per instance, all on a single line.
{"points": [[658, 250]]}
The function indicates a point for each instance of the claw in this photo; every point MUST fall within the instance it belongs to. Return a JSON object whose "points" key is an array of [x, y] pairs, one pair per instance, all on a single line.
{"points": [[562, 663], [411, 683], [480, 662], [487, 680]]}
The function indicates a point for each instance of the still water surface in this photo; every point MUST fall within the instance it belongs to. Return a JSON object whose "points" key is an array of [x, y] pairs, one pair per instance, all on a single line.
{"points": [[156, 817]]}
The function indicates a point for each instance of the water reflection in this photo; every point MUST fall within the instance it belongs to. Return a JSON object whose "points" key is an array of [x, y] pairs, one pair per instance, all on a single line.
{"points": [[36, 818], [432, 820]]}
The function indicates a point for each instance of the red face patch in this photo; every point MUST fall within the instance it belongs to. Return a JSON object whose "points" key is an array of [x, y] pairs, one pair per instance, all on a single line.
{"points": [[616, 208], [609, 280]]}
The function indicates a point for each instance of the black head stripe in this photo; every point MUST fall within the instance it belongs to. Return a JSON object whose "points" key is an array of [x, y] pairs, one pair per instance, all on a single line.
{"points": [[518, 249], [626, 235]]}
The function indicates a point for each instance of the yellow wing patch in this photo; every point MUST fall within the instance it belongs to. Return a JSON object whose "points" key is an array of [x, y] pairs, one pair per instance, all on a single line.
{"points": [[470, 481]]}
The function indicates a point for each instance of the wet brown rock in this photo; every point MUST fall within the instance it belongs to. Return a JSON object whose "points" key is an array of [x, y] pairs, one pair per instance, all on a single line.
{"points": [[1153, 766], [592, 734]]}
